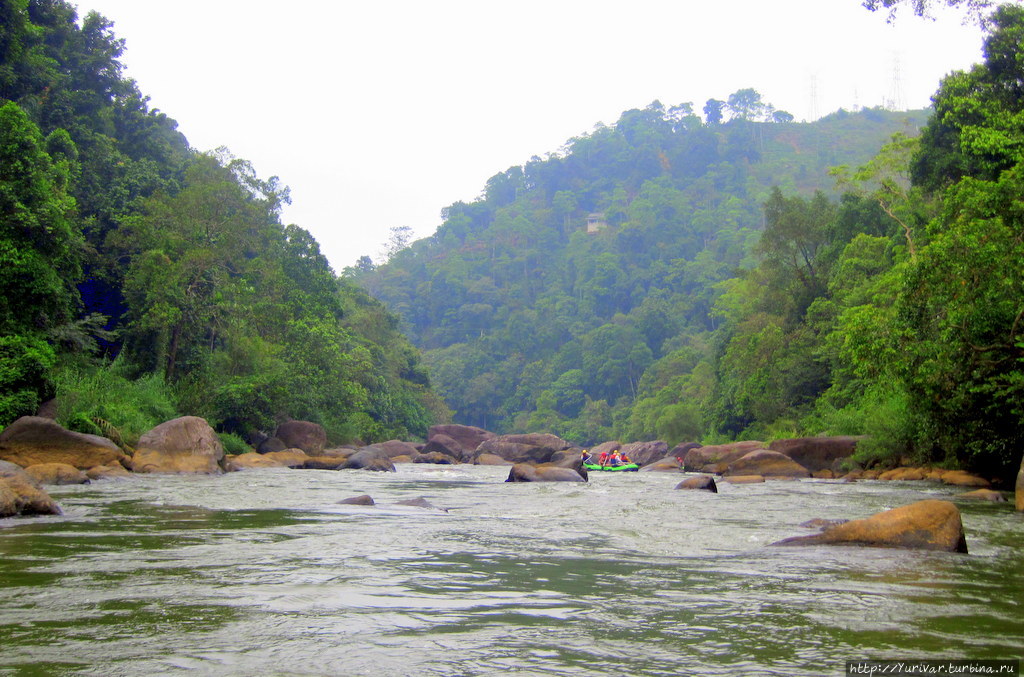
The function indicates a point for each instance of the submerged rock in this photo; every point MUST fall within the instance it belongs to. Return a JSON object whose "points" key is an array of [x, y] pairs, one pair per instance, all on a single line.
{"points": [[744, 479], [526, 472], [984, 495], [767, 464], [56, 473], [364, 499], [705, 482], [929, 525], [368, 458], [19, 495]]}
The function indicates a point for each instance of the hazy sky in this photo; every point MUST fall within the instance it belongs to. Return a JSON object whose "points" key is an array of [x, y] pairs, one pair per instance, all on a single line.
{"points": [[380, 113]]}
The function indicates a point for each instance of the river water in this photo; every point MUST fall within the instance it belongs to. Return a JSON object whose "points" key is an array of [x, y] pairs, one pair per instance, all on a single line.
{"points": [[262, 572]]}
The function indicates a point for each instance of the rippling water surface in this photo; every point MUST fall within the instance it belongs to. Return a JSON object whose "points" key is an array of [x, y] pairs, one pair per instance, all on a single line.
{"points": [[264, 573]]}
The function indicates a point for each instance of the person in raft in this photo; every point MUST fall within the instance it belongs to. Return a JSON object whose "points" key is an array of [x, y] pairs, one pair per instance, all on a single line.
{"points": [[615, 459], [602, 460], [586, 457]]}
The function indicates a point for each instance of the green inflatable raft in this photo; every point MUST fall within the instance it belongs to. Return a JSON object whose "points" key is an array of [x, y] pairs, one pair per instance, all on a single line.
{"points": [[625, 467]]}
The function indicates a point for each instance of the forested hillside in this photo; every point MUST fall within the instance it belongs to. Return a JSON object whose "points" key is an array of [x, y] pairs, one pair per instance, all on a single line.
{"points": [[141, 279], [742, 275]]}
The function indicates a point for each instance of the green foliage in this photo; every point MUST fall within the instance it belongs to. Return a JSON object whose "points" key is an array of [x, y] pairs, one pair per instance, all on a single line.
{"points": [[525, 317], [25, 362], [233, 444], [186, 274], [103, 401]]}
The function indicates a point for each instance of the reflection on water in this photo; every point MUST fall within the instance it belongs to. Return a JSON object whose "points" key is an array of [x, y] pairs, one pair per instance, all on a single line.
{"points": [[262, 572]]}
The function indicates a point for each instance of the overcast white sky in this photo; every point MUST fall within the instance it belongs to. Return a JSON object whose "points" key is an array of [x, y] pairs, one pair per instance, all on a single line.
{"points": [[380, 113]]}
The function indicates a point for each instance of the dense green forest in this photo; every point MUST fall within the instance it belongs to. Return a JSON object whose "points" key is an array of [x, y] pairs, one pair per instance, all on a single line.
{"points": [[741, 275], [141, 279]]}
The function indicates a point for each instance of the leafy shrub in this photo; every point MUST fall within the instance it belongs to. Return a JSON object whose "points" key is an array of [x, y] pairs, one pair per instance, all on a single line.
{"points": [[104, 402], [24, 362], [233, 444]]}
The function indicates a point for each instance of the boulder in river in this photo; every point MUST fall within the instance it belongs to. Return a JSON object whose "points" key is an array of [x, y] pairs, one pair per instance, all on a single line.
{"points": [[107, 472], [56, 473], [929, 525], [34, 439], [984, 495], [490, 459], [643, 453], [396, 448], [306, 435], [526, 472], [21, 495], [434, 457], [817, 453], [250, 460], [368, 458], [443, 444], [705, 482], [962, 478], [767, 464], [420, 502], [182, 445], [292, 458], [528, 448], [363, 499], [699, 458], [744, 479], [468, 437], [667, 464]]}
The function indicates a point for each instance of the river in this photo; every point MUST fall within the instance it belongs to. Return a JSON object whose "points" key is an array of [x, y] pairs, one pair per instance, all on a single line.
{"points": [[262, 572]]}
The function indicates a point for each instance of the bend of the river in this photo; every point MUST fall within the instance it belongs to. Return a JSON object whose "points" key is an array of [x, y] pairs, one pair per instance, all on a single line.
{"points": [[262, 572]]}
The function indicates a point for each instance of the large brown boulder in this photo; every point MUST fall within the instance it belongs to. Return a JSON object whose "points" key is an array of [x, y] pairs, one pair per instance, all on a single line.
{"points": [[697, 459], [368, 458], [526, 472], [817, 453], [443, 444], [928, 525], [680, 450], [56, 473], [605, 446], [469, 437], [767, 464], [984, 495], [34, 439], [962, 478], [490, 459], [306, 435], [394, 448], [20, 495], [435, 457], [324, 462], [251, 460], [182, 445], [667, 464], [107, 472], [643, 453], [1019, 495], [292, 458], [529, 448]]}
